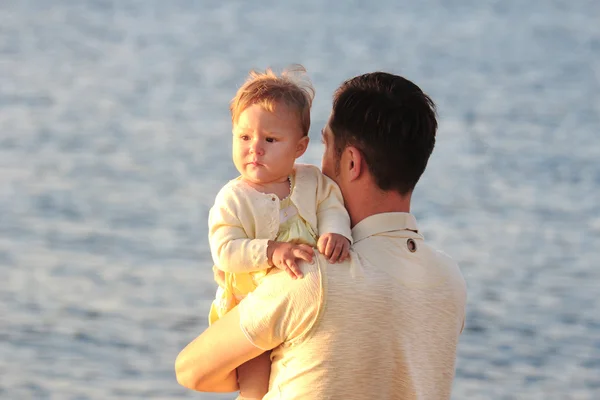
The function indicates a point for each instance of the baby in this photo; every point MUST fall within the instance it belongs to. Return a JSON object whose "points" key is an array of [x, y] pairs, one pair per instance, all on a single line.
{"points": [[276, 211]]}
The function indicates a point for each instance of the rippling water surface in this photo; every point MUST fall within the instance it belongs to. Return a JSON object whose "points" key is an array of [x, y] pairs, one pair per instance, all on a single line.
{"points": [[114, 139]]}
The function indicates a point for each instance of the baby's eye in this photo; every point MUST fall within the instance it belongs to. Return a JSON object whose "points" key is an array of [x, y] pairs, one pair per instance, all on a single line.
{"points": [[244, 137], [270, 140]]}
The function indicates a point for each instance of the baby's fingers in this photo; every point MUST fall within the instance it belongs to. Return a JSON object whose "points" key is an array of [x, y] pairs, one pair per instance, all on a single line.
{"points": [[331, 248], [302, 254], [293, 269], [306, 248], [337, 251], [345, 252], [322, 244]]}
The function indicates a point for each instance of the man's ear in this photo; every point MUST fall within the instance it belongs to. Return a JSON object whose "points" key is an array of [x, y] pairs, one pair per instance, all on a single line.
{"points": [[353, 162], [301, 146]]}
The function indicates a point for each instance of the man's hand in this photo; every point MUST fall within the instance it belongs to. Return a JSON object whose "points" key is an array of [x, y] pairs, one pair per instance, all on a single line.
{"points": [[334, 247], [284, 256]]}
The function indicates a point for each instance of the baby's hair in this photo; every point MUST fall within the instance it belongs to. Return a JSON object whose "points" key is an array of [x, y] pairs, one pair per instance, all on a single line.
{"points": [[292, 88]]}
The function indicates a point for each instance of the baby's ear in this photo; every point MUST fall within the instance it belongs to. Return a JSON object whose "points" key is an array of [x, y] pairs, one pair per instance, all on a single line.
{"points": [[302, 145]]}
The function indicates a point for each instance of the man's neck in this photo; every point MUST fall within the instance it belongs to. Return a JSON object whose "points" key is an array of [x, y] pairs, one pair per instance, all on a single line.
{"points": [[372, 201]]}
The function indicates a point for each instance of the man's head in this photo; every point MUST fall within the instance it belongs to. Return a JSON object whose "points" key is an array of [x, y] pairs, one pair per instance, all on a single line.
{"points": [[386, 124]]}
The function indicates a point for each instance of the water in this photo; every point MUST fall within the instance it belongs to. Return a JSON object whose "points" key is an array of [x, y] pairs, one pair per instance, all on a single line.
{"points": [[114, 139]]}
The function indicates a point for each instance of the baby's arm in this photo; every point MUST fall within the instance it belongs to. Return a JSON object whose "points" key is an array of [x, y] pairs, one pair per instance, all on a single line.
{"points": [[332, 216], [333, 221], [233, 251], [231, 248]]}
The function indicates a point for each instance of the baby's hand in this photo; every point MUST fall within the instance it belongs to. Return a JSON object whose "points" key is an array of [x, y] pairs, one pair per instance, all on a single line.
{"points": [[284, 255], [334, 246], [219, 276]]}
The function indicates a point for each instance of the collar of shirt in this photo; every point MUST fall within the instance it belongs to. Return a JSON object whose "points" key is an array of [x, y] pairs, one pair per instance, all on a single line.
{"points": [[384, 222]]}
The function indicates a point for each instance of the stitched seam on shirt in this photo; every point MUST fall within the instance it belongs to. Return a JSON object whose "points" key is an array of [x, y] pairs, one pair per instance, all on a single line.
{"points": [[247, 335]]}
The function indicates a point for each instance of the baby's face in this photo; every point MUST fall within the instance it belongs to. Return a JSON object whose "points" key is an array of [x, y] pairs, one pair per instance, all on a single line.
{"points": [[266, 144]]}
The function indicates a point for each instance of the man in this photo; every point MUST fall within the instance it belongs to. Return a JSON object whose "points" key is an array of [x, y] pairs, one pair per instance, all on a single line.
{"points": [[384, 325]]}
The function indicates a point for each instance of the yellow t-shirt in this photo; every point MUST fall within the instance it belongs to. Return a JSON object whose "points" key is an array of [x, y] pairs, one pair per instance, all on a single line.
{"points": [[292, 228]]}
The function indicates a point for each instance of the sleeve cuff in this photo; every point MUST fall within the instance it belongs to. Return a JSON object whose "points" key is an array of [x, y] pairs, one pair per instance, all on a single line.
{"points": [[249, 336]]}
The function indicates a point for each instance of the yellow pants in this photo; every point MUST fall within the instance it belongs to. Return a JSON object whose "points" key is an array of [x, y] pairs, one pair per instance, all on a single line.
{"points": [[236, 287]]}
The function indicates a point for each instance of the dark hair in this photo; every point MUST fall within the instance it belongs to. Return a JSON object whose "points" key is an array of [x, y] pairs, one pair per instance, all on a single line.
{"points": [[393, 124]]}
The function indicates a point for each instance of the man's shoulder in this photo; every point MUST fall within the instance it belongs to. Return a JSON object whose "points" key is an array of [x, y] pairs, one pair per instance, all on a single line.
{"points": [[439, 256], [305, 293], [282, 309], [308, 285], [446, 263]]}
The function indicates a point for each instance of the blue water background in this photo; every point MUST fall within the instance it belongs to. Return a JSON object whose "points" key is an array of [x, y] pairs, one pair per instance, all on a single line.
{"points": [[114, 139]]}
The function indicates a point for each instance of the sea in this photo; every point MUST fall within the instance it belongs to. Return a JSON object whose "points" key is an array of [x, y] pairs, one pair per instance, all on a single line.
{"points": [[115, 138]]}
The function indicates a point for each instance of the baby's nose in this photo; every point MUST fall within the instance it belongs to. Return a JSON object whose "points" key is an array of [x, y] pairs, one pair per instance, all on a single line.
{"points": [[256, 148]]}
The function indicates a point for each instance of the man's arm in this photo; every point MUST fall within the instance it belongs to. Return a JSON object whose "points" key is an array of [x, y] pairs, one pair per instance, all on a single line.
{"points": [[280, 310], [208, 363]]}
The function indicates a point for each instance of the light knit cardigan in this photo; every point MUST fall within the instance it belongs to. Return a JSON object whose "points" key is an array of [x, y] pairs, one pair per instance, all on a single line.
{"points": [[243, 220]]}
